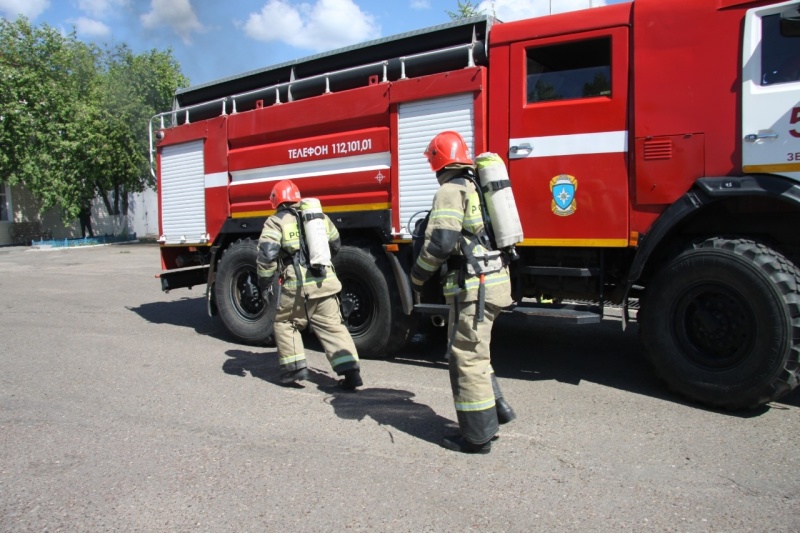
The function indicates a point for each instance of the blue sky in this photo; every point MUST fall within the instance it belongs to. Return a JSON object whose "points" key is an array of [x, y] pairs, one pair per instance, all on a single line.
{"points": [[213, 39]]}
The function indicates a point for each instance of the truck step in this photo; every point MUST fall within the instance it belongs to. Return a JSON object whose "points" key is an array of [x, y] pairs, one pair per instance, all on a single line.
{"points": [[569, 313], [432, 309], [183, 278], [561, 271]]}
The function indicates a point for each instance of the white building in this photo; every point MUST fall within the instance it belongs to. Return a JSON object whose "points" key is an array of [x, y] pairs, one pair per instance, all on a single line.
{"points": [[20, 212]]}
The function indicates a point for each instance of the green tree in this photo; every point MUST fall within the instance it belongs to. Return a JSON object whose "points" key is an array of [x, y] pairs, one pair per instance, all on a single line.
{"points": [[74, 117], [465, 9], [37, 105], [134, 88]]}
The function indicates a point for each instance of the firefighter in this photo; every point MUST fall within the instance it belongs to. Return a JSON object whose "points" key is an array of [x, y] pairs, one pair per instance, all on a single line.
{"points": [[455, 236], [303, 293]]}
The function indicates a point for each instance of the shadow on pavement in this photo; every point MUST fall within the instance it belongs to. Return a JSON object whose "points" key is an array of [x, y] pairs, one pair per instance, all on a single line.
{"points": [[185, 313], [521, 349], [260, 364], [392, 409], [598, 353]]}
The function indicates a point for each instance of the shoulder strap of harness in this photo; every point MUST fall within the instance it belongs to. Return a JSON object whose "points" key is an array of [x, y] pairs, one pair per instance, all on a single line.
{"points": [[487, 237], [300, 257]]}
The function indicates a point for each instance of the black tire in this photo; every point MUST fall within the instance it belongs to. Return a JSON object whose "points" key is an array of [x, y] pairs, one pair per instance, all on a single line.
{"points": [[238, 298], [721, 323], [377, 323]]}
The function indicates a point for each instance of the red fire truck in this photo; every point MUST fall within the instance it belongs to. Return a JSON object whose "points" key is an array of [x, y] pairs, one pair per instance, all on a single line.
{"points": [[653, 149]]}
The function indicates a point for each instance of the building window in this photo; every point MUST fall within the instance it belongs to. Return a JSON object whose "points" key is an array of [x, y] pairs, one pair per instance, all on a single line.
{"points": [[567, 71], [780, 54], [5, 202]]}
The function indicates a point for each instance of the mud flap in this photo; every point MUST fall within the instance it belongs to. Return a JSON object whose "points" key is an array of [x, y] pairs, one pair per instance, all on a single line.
{"points": [[211, 305]]}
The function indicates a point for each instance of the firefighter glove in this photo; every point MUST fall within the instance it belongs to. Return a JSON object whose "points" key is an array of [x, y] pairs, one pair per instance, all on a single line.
{"points": [[268, 295], [267, 292], [418, 278]]}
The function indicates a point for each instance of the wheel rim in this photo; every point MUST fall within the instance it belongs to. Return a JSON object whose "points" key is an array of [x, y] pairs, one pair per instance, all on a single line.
{"points": [[357, 294], [715, 326], [245, 296]]}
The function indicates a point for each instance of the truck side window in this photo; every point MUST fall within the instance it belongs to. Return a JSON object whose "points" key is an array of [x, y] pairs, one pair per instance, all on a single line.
{"points": [[780, 55], [579, 69]]}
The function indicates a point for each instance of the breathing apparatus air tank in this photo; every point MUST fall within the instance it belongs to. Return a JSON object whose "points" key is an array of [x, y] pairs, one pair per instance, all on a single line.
{"points": [[316, 235], [499, 198]]}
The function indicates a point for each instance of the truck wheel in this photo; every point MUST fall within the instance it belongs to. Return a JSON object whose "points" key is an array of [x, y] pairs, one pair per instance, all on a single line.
{"points": [[721, 323], [237, 296], [377, 322]]}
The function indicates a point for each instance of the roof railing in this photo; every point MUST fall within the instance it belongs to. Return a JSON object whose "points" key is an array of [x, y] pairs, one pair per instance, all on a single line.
{"points": [[170, 119], [384, 65], [182, 115]]}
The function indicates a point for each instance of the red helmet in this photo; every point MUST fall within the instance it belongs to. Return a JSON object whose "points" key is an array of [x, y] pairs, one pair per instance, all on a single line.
{"points": [[445, 149], [284, 191]]}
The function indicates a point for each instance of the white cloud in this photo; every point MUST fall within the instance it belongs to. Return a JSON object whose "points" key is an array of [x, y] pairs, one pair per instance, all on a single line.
{"points": [[27, 8], [322, 26], [420, 4], [176, 14], [100, 8], [508, 10], [90, 27]]}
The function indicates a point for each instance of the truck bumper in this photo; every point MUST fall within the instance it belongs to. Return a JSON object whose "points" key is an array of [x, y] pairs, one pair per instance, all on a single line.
{"points": [[183, 278]]}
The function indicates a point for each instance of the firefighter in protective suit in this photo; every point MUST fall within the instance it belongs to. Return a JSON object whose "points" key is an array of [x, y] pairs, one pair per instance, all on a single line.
{"points": [[455, 236], [303, 294]]}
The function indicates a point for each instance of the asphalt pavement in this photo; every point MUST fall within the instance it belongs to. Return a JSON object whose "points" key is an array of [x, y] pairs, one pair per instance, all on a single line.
{"points": [[123, 408]]}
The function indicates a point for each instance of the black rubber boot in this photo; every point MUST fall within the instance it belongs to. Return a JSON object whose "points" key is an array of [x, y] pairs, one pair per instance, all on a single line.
{"points": [[352, 379], [505, 413], [293, 376], [457, 443]]}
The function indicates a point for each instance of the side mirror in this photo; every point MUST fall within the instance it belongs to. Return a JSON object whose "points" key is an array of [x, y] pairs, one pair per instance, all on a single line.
{"points": [[790, 22]]}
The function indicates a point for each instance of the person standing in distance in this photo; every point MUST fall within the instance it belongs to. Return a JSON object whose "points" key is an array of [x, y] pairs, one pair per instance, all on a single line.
{"points": [[455, 235], [307, 295], [85, 218]]}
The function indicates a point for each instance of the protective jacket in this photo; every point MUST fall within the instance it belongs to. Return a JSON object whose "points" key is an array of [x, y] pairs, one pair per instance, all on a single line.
{"points": [[281, 249], [456, 231]]}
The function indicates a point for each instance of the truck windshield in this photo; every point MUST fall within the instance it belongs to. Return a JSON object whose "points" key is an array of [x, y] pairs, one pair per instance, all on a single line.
{"points": [[566, 71]]}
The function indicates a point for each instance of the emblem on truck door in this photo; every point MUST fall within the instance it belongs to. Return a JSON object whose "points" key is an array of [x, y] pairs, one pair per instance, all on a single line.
{"points": [[563, 188]]}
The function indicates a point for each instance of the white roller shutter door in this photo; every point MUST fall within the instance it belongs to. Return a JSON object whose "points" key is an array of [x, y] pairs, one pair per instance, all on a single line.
{"points": [[419, 122], [183, 205]]}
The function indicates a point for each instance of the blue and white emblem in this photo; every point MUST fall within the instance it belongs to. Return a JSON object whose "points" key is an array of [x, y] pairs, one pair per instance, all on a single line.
{"points": [[563, 188]]}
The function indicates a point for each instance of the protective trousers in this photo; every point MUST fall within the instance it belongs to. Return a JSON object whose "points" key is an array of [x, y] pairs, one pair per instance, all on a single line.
{"points": [[326, 321], [471, 374]]}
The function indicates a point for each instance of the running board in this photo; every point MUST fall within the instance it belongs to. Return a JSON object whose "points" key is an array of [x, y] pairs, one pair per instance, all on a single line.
{"points": [[432, 309], [561, 271], [567, 313]]}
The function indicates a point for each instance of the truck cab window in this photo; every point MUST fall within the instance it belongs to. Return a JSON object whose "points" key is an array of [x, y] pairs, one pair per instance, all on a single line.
{"points": [[780, 54], [579, 69]]}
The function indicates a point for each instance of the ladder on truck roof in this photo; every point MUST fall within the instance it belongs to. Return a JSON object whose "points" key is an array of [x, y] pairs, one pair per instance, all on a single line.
{"points": [[458, 44]]}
